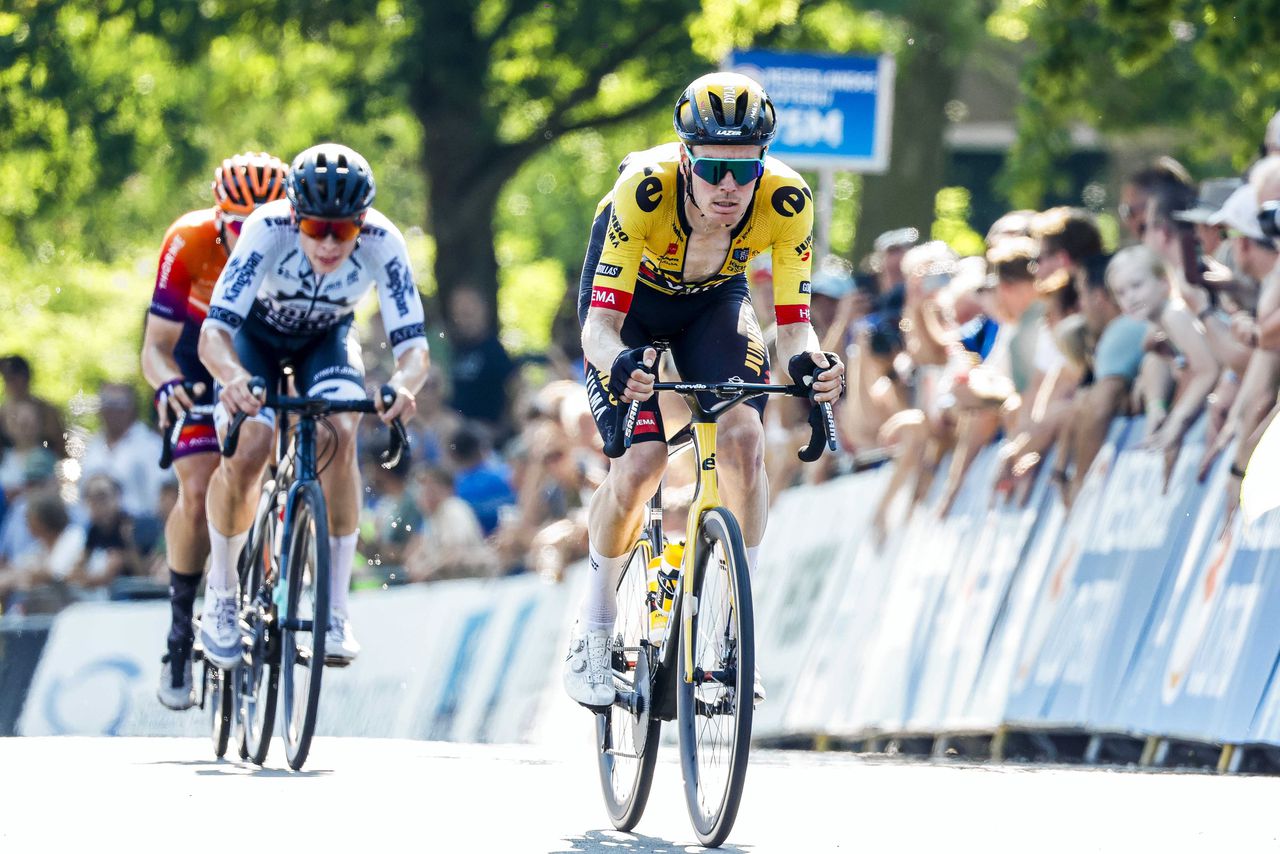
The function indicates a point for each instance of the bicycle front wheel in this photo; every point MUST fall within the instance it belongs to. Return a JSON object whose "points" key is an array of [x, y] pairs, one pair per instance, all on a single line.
{"points": [[305, 621], [258, 676], [714, 710], [219, 700], [627, 737]]}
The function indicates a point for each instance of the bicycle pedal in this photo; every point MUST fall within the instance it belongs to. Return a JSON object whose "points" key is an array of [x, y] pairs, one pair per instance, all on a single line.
{"points": [[331, 661]]}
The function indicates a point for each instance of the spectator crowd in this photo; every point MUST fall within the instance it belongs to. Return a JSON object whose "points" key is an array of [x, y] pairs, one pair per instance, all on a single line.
{"points": [[1036, 345]]}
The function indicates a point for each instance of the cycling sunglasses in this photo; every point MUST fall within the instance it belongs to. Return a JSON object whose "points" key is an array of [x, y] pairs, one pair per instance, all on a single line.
{"points": [[713, 169], [342, 229]]}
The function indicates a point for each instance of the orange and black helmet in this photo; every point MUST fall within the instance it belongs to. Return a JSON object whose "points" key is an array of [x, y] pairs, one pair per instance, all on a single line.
{"points": [[725, 108], [247, 180]]}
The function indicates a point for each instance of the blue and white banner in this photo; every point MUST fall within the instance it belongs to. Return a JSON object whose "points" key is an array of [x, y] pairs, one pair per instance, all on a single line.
{"points": [[1137, 612], [833, 111]]}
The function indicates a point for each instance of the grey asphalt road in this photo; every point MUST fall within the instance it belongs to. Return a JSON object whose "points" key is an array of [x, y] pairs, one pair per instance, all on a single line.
{"points": [[357, 795]]}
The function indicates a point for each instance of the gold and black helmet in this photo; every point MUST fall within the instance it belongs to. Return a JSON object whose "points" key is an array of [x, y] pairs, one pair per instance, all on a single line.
{"points": [[725, 108]]}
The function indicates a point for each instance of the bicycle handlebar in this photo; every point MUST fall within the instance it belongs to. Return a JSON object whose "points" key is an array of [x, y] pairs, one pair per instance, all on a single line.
{"points": [[318, 406], [823, 434]]}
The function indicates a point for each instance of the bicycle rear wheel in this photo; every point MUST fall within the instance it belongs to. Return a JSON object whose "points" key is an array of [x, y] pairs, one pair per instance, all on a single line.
{"points": [[714, 711], [220, 701], [305, 621], [258, 677], [627, 738]]}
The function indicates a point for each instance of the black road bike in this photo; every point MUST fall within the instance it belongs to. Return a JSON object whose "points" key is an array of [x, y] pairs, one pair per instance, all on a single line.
{"points": [[284, 585]]}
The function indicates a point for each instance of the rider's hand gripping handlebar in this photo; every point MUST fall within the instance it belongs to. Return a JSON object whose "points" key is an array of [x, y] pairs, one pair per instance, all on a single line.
{"points": [[390, 458], [257, 387]]}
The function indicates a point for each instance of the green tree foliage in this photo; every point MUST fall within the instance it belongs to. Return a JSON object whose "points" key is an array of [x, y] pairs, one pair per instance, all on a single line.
{"points": [[1204, 71]]}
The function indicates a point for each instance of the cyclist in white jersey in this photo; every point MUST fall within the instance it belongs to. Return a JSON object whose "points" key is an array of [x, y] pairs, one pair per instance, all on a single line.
{"points": [[288, 293]]}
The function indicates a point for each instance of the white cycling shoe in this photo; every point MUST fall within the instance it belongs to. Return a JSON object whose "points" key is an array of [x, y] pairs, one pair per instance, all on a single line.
{"points": [[588, 677], [176, 690], [340, 644], [220, 628], [757, 689]]}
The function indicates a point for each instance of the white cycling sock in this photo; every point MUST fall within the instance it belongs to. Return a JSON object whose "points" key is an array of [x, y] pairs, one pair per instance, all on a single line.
{"points": [[753, 559], [342, 551], [600, 605], [224, 552]]}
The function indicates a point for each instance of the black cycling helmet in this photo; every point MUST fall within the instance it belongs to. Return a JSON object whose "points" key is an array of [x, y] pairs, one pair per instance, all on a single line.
{"points": [[330, 181], [725, 108]]}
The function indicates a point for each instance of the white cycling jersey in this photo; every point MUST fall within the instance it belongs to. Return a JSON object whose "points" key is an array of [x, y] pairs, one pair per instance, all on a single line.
{"points": [[269, 278]]}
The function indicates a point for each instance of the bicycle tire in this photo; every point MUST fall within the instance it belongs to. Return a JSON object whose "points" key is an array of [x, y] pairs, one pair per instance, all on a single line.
{"points": [[307, 577], [257, 679], [626, 742], [220, 699], [714, 712]]}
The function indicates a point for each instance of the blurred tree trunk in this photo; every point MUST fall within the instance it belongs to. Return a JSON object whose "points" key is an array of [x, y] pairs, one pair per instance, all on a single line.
{"points": [[904, 196]]}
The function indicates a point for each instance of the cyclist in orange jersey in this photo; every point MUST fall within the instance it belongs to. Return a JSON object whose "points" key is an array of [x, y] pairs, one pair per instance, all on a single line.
{"points": [[195, 250]]}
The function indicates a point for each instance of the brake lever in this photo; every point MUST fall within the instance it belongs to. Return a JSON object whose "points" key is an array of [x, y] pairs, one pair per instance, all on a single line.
{"points": [[258, 388], [390, 458], [823, 427]]}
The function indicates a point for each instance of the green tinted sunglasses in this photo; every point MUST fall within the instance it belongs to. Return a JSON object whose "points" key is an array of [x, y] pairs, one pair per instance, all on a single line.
{"points": [[713, 169]]}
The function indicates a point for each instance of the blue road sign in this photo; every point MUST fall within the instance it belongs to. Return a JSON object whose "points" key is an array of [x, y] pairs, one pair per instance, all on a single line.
{"points": [[833, 111]]}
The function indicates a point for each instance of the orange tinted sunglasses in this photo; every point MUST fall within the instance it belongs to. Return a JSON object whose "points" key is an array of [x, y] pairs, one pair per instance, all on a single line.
{"points": [[319, 229]]}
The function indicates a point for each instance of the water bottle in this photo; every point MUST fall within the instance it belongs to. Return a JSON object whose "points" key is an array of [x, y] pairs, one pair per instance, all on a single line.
{"points": [[663, 573]]}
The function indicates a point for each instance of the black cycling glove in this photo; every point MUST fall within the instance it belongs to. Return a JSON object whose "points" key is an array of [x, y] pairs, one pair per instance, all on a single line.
{"points": [[626, 362], [804, 370]]}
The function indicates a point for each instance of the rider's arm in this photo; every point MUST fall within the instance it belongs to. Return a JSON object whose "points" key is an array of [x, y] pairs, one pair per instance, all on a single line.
{"points": [[404, 320], [792, 272], [232, 298], [158, 343], [602, 336], [168, 310], [167, 316], [411, 373], [620, 228], [789, 196]]}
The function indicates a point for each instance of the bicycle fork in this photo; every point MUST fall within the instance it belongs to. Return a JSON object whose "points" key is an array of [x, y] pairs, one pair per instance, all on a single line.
{"points": [[705, 496]]}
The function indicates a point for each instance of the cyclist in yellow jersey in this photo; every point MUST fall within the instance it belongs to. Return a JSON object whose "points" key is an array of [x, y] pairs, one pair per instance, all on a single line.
{"points": [[667, 260]]}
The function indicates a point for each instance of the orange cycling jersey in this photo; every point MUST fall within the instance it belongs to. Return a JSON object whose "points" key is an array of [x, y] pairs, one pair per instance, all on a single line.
{"points": [[192, 257], [648, 234]]}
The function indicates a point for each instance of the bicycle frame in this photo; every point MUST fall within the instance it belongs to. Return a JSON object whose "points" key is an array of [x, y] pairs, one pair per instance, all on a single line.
{"points": [[706, 496]]}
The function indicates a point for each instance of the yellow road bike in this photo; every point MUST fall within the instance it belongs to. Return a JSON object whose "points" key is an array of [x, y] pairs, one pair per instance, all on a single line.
{"points": [[702, 674]]}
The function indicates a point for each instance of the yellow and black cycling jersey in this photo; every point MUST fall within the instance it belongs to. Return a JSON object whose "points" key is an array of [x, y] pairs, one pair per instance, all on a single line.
{"points": [[647, 235]]}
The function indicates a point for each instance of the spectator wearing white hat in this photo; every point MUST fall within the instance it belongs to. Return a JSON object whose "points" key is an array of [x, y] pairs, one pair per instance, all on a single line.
{"points": [[1170, 235], [1258, 386], [1214, 193]]}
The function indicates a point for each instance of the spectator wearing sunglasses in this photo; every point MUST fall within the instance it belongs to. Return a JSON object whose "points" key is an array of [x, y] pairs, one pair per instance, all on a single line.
{"points": [[289, 293], [195, 250]]}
